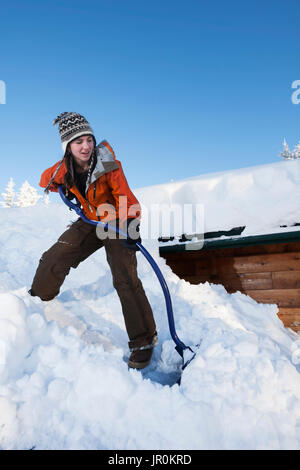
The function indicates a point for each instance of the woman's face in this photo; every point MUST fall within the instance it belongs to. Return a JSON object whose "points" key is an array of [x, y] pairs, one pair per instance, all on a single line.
{"points": [[82, 149]]}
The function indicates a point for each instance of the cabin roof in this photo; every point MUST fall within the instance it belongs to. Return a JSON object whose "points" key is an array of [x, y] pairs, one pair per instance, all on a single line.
{"points": [[263, 199]]}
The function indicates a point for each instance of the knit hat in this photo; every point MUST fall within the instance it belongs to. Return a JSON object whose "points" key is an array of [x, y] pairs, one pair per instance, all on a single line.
{"points": [[72, 126]]}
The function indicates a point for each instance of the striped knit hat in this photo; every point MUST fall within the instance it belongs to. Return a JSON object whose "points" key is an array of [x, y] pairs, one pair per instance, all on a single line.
{"points": [[72, 126]]}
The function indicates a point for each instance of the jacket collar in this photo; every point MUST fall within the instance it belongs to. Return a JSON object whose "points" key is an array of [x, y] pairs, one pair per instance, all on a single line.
{"points": [[104, 164]]}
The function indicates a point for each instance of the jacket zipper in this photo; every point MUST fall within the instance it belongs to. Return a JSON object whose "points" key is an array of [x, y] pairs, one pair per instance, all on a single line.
{"points": [[87, 200], [98, 217], [94, 197]]}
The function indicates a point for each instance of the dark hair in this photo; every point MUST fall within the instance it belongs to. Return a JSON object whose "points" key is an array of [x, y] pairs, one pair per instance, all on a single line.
{"points": [[69, 179]]}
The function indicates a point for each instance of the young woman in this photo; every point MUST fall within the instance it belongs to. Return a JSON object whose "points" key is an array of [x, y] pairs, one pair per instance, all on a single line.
{"points": [[95, 177]]}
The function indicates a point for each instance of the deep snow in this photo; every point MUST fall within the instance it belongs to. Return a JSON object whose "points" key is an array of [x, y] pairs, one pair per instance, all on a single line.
{"points": [[262, 198], [64, 381]]}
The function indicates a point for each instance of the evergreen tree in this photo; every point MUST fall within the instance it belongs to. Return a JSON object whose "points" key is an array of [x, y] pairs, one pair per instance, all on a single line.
{"points": [[27, 196], [10, 194], [296, 151], [286, 153]]}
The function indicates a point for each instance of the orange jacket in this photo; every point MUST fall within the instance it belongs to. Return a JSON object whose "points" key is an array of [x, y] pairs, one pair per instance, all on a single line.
{"points": [[108, 195]]}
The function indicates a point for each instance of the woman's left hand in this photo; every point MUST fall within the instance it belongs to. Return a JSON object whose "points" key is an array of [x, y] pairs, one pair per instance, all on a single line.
{"points": [[132, 229]]}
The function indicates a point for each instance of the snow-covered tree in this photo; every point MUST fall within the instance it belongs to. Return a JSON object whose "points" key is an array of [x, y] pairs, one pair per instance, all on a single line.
{"points": [[296, 151], [10, 194], [27, 196], [287, 154]]}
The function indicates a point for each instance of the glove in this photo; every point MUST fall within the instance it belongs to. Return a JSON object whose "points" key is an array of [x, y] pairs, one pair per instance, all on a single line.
{"points": [[132, 236]]}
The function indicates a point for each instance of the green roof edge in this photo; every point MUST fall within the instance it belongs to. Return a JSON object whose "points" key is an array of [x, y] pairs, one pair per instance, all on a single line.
{"points": [[236, 242]]}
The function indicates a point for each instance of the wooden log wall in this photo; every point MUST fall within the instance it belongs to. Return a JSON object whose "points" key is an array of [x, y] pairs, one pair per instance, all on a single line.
{"points": [[268, 273]]}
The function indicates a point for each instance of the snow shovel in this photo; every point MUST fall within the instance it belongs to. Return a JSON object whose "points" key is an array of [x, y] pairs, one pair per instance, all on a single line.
{"points": [[186, 353]]}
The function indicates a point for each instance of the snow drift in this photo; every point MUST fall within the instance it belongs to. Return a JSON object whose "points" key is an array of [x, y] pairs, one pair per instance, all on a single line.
{"points": [[64, 380], [66, 385]]}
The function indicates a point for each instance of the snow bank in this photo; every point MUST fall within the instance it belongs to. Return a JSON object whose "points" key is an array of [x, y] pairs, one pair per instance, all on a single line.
{"points": [[68, 387], [261, 198]]}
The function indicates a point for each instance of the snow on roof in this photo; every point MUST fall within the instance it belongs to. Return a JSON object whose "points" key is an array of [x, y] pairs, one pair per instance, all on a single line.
{"points": [[263, 198]]}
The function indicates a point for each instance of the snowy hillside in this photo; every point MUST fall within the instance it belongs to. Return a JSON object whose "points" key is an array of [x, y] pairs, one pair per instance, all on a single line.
{"points": [[65, 384], [262, 198]]}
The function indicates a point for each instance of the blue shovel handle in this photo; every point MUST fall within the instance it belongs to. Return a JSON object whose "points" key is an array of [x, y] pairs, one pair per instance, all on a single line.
{"points": [[180, 346]]}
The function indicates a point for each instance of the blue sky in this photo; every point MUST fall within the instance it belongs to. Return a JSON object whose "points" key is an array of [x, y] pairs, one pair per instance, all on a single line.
{"points": [[178, 88]]}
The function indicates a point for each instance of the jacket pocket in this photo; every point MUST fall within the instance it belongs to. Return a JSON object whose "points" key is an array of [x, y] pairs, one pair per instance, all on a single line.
{"points": [[76, 234]]}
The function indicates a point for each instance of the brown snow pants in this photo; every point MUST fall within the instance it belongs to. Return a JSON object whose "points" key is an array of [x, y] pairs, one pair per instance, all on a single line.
{"points": [[73, 247]]}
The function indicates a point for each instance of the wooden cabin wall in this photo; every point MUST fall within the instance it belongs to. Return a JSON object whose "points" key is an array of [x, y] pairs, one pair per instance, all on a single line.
{"points": [[268, 273]]}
